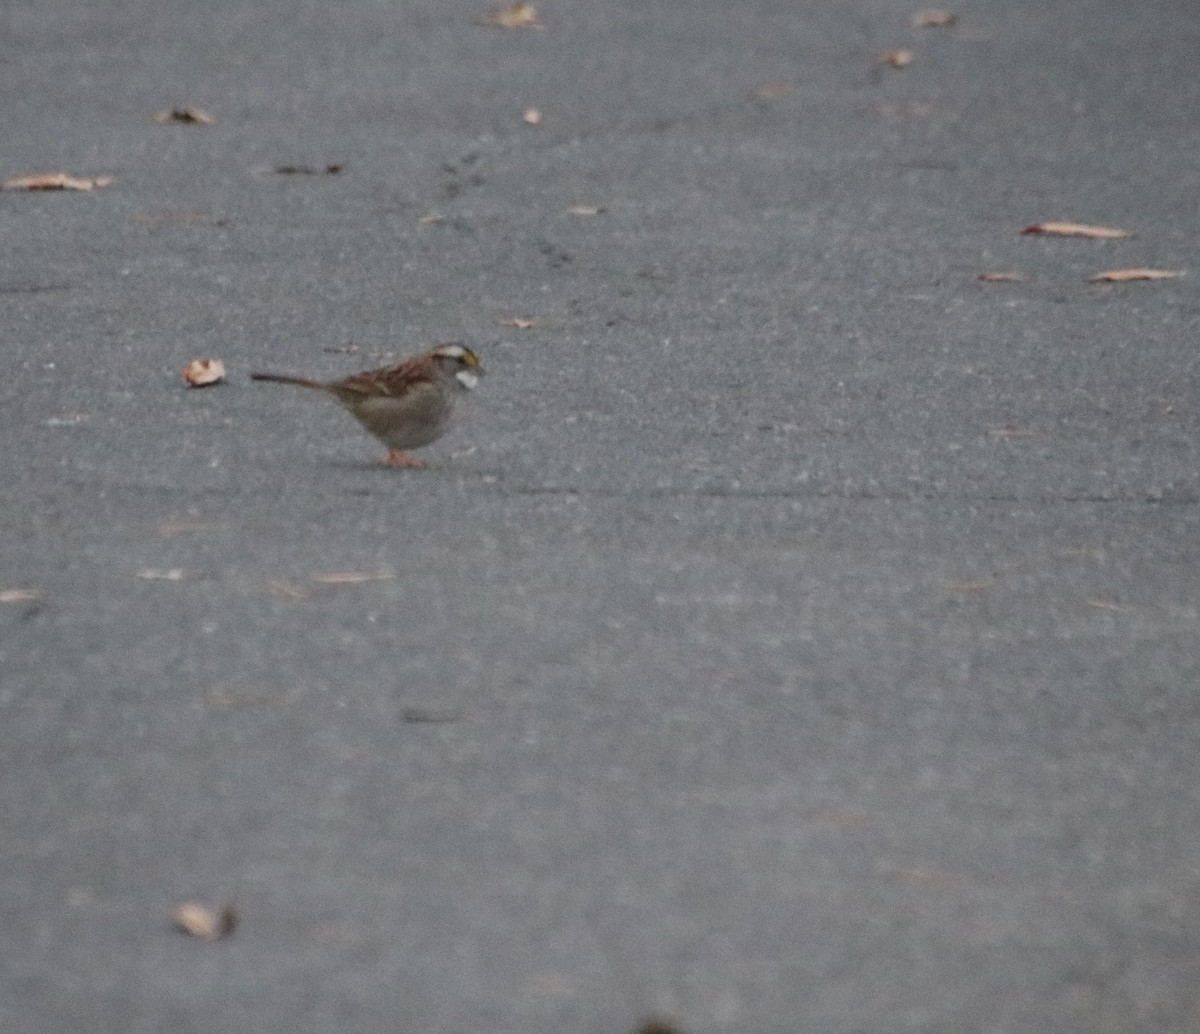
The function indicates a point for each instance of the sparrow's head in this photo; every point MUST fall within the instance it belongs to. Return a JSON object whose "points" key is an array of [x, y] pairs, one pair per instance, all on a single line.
{"points": [[459, 362]]}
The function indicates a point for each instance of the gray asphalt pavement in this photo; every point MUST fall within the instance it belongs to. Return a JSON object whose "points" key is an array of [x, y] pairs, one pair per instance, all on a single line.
{"points": [[796, 633]]}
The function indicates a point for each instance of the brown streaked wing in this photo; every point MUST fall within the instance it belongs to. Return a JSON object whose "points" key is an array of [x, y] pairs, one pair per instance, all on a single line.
{"points": [[392, 380]]}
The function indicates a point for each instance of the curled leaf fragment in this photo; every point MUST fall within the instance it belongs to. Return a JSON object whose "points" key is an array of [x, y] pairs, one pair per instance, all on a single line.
{"points": [[1060, 229], [352, 577], [56, 181], [201, 373], [518, 15], [900, 58], [206, 923], [1123, 276]]}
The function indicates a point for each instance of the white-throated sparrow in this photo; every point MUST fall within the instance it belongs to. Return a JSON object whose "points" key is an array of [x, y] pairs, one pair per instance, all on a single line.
{"points": [[405, 406]]}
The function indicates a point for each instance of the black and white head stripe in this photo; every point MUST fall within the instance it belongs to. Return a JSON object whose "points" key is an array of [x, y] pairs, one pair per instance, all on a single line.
{"points": [[453, 350], [468, 371]]}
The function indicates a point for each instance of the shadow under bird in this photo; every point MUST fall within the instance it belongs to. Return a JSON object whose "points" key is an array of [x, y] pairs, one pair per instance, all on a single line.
{"points": [[405, 406]]}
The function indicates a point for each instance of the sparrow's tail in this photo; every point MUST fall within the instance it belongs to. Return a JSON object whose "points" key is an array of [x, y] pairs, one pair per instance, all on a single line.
{"points": [[283, 378]]}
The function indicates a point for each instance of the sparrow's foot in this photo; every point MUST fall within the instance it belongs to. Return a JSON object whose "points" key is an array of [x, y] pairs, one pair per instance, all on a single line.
{"points": [[397, 458]]}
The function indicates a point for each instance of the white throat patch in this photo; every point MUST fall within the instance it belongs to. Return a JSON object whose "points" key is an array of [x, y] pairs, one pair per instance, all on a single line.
{"points": [[467, 379]]}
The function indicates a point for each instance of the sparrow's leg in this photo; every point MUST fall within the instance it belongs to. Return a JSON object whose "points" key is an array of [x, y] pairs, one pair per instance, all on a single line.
{"points": [[396, 458]]}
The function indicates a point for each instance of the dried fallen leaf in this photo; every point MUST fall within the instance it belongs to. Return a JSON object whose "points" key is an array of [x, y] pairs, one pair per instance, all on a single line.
{"points": [[515, 16], [206, 923], [1122, 276], [933, 18], [1076, 230], [1013, 432], [901, 58], [201, 373], [532, 116], [1002, 277], [18, 595], [67, 420], [1100, 604], [56, 181], [584, 209], [432, 217], [161, 574], [185, 116], [521, 322], [352, 577]]}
